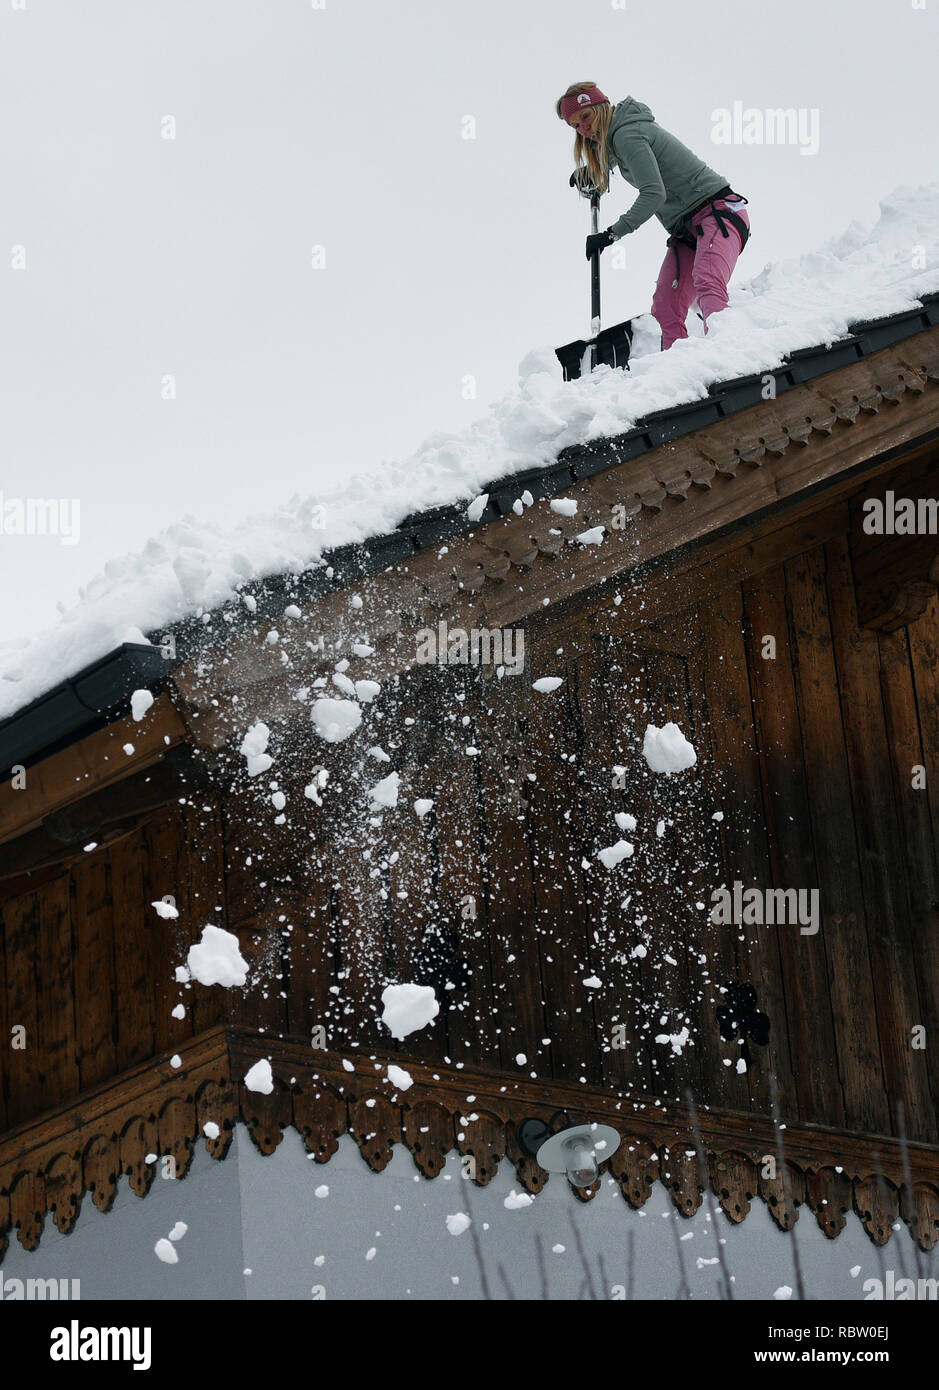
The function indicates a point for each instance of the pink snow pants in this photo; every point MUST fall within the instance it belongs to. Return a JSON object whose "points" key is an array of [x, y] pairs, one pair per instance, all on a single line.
{"points": [[703, 274]]}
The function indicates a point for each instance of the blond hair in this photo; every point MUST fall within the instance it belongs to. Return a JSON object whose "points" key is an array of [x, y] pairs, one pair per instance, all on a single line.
{"points": [[591, 153]]}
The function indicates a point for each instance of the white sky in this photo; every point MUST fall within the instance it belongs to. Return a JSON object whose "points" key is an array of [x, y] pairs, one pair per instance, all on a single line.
{"points": [[445, 257]]}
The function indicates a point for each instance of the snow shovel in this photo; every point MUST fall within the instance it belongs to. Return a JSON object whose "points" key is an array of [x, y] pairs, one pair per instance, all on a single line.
{"points": [[609, 346]]}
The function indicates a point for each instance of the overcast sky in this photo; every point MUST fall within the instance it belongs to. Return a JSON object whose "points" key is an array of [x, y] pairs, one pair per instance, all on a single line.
{"points": [[341, 124]]}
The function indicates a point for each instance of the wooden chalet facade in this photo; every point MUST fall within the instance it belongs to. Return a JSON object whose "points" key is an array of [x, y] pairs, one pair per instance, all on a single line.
{"points": [[816, 770]]}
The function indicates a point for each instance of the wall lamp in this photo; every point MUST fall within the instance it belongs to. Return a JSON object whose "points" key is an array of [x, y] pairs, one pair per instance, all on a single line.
{"points": [[571, 1150]]}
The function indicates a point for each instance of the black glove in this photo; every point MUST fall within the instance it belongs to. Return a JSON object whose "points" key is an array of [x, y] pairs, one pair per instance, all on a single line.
{"points": [[581, 178], [599, 241]]}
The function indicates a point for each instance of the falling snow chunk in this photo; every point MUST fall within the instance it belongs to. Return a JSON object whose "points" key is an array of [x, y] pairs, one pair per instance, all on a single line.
{"points": [[335, 720], [363, 649], [476, 508], [179, 1011], [516, 1200], [250, 603], [855, 1271], [166, 1252], [216, 959], [667, 749], [385, 793], [547, 684], [367, 691], [129, 749], [179, 1230], [400, 1078], [253, 748], [564, 506], [677, 1040], [292, 611], [741, 1066], [321, 1191], [176, 1061], [408, 1008], [520, 1059], [615, 854], [211, 1130], [181, 975], [164, 909], [260, 1077], [625, 821], [279, 800], [718, 815], [702, 1263], [558, 1249], [517, 506], [347, 1065], [783, 1291], [458, 1223], [638, 953], [370, 1254], [592, 982], [528, 499], [659, 829], [140, 702], [422, 806], [343, 683], [592, 537]]}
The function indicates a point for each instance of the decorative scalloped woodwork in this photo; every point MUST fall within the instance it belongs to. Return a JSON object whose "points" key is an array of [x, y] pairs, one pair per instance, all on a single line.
{"points": [[64, 1191], [28, 1208], [829, 1196], [483, 1140], [266, 1116], [216, 1102], [635, 1167], [319, 1115], [375, 1125], [139, 1137], [876, 1202], [428, 1133], [100, 1168], [784, 1197], [921, 1214], [679, 1171], [175, 1130], [587, 1194], [529, 1174], [734, 1179]]}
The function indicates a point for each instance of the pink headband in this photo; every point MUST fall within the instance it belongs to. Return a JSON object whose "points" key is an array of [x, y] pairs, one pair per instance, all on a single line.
{"points": [[569, 105]]}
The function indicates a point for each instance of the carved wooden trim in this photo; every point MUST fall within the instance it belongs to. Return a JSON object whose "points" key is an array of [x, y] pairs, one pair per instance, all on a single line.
{"points": [[48, 1165]]}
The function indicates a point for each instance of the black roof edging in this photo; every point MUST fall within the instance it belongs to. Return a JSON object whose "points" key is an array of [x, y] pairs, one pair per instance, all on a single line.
{"points": [[100, 690], [69, 715]]}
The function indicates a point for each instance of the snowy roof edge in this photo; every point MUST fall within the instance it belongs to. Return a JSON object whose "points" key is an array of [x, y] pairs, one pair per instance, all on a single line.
{"points": [[102, 691]]}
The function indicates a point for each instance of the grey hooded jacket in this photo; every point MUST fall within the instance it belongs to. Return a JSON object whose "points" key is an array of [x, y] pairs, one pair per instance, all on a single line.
{"points": [[671, 180]]}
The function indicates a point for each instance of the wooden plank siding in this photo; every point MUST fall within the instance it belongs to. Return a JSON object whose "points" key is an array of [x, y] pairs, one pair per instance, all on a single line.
{"points": [[88, 967], [807, 754]]}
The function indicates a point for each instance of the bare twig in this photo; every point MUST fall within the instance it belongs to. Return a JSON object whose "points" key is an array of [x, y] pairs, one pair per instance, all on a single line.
{"points": [[683, 1290], [484, 1282], [583, 1258], [629, 1267], [508, 1286], [541, 1269]]}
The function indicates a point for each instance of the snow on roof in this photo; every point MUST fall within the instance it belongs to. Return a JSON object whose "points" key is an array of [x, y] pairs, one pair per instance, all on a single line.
{"points": [[865, 273]]}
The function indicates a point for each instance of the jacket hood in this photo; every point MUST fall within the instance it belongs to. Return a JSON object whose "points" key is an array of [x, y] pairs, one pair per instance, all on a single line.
{"points": [[629, 111]]}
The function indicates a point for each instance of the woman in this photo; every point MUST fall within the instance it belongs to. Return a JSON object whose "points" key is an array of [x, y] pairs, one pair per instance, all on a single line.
{"points": [[706, 220]]}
